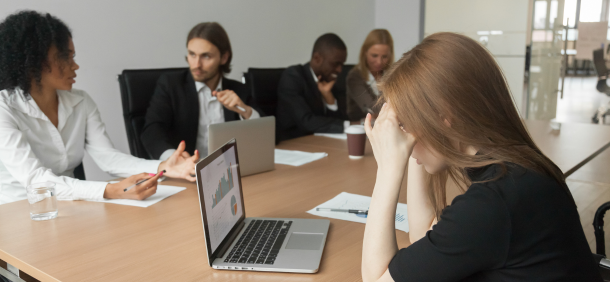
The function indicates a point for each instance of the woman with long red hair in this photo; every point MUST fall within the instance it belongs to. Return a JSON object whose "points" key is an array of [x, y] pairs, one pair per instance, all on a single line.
{"points": [[449, 115]]}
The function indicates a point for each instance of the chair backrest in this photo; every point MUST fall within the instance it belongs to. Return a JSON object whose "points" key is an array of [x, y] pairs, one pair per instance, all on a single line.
{"points": [[598, 227], [599, 62], [137, 88], [263, 86], [340, 88], [79, 172]]}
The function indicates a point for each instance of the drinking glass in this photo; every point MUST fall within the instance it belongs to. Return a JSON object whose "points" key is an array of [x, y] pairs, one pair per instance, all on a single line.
{"points": [[43, 201]]}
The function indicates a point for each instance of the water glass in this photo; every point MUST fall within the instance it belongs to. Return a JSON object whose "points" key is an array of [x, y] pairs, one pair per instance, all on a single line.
{"points": [[43, 201]]}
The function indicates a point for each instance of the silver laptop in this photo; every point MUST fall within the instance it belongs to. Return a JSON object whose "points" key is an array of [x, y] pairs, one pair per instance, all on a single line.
{"points": [[235, 242], [256, 139]]}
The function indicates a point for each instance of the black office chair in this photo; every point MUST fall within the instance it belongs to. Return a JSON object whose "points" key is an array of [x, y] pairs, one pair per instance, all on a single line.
{"points": [[79, 172], [602, 71], [137, 88], [600, 244], [340, 89], [602, 85], [263, 86]]}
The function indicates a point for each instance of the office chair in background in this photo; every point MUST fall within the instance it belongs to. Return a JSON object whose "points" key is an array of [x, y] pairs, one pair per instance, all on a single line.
{"points": [[602, 86], [263, 85], [137, 88], [79, 172], [340, 89], [600, 244]]}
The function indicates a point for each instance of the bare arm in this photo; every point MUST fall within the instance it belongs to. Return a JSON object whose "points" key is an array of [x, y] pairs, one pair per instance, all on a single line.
{"points": [[392, 148], [380, 244], [419, 208]]}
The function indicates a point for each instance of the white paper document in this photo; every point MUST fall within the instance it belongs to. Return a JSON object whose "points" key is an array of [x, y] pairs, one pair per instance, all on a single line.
{"points": [[296, 158], [350, 201], [163, 191], [341, 136]]}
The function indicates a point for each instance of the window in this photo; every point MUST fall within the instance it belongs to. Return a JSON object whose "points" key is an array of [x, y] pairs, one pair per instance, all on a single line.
{"points": [[569, 12], [540, 15], [590, 10]]}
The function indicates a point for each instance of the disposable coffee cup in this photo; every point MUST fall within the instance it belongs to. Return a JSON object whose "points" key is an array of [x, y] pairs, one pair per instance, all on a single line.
{"points": [[356, 138]]}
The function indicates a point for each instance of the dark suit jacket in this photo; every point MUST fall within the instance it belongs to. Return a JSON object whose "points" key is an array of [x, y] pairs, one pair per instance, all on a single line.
{"points": [[173, 113], [301, 110]]}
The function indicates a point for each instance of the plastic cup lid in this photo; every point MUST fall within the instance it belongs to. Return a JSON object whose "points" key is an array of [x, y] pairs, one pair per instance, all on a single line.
{"points": [[355, 129]]}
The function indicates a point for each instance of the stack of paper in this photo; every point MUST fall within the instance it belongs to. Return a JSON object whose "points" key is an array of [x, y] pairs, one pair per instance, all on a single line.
{"points": [[358, 202], [163, 191], [296, 158]]}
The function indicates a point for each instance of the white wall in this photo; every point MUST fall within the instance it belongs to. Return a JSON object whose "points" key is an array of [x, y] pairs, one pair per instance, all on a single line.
{"points": [[402, 19], [469, 16], [113, 35]]}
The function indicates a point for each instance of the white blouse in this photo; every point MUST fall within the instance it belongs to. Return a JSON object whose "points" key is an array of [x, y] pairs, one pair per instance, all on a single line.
{"points": [[33, 150], [373, 84]]}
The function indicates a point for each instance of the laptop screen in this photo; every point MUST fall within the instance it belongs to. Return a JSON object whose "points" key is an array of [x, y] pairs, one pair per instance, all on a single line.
{"points": [[220, 194]]}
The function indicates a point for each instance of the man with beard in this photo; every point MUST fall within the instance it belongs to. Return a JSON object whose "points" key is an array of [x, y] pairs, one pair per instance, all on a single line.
{"points": [[185, 103], [307, 101]]}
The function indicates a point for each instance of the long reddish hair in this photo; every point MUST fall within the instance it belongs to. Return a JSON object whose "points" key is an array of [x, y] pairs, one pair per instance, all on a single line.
{"points": [[450, 77]]}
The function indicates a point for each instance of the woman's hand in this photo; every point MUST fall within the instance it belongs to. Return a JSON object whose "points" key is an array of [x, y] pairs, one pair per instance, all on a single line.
{"points": [[139, 192], [179, 165], [392, 144], [392, 147]]}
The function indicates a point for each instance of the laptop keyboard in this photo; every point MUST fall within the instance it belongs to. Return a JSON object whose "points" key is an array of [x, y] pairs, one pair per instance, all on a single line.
{"points": [[260, 243]]}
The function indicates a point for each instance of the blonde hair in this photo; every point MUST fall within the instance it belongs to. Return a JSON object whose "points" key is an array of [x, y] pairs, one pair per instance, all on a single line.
{"points": [[376, 36], [450, 77]]}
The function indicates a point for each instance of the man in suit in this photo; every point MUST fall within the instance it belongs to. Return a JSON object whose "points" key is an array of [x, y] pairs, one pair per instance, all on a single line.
{"points": [[307, 101], [185, 103]]}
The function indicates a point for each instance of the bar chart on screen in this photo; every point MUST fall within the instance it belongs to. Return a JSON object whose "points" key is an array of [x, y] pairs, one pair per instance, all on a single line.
{"points": [[225, 184], [221, 187], [233, 205]]}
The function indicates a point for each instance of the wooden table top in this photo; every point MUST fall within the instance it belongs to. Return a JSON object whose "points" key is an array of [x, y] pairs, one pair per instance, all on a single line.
{"points": [[91, 241]]}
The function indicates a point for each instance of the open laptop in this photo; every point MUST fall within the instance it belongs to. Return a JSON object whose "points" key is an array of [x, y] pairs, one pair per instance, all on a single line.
{"points": [[261, 244], [256, 139]]}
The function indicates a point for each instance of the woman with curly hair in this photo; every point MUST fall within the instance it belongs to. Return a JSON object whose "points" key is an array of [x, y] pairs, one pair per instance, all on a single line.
{"points": [[46, 126], [449, 115]]}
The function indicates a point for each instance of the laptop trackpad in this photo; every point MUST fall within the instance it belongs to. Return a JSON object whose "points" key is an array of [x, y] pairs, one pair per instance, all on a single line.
{"points": [[305, 241]]}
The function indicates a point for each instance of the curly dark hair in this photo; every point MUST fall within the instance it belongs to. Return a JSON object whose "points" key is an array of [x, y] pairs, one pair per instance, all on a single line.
{"points": [[25, 39]]}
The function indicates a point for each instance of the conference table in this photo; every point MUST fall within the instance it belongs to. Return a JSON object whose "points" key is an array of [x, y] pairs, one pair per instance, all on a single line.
{"points": [[92, 241]]}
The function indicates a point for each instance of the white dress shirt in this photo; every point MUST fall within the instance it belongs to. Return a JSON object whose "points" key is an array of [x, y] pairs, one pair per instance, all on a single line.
{"points": [[33, 150], [210, 112], [334, 107], [373, 84]]}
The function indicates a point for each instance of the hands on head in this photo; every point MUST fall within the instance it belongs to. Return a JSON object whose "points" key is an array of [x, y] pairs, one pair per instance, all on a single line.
{"points": [[230, 100], [392, 143]]}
